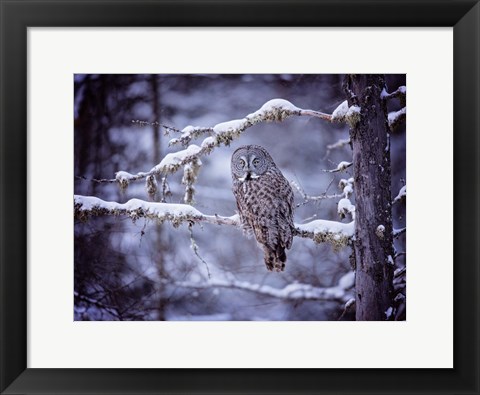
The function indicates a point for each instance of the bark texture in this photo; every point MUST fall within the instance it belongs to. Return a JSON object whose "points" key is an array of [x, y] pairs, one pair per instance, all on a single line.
{"points": [[373, 245]]}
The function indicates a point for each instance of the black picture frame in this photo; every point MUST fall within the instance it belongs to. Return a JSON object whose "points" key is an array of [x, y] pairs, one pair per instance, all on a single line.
{"points": [[18, 15]]}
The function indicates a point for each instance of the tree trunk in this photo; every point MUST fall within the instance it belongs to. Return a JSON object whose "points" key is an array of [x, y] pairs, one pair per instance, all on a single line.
{"points": [[156, 159], [373, 245]]}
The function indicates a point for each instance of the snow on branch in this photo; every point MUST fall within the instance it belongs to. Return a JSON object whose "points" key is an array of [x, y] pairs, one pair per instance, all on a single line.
{"points": [[398, 232], [222, 133], [337, 233], [402, 195], [342, 166], [396, 117], [338, 144], [273, 110], [344, 205], [86, 206], [400, 93], [340, 292], [344, 113]]}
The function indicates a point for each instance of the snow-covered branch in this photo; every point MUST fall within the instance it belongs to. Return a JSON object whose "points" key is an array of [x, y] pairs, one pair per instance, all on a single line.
{"points": [[344, 113], [346, 186], [223, 134], [337, 233], [398, 232], [342, 166], [402, 195], [340, 292], [345, 206], [396, 117], [86, 206], [401, 93]]}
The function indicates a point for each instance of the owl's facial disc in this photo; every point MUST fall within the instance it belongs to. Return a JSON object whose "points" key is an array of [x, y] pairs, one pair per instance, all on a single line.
{"points": [[248, 167]]}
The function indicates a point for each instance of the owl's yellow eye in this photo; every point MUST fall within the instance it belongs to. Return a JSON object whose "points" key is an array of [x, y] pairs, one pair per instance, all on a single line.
{"points": [[242, 162], [255, 162]]}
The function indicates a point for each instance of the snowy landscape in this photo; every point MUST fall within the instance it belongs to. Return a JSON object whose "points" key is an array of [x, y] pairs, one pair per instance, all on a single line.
{"points": [[157, 235]]}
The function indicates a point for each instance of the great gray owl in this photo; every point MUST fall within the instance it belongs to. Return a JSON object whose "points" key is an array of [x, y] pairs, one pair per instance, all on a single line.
{"points": [[265, 202]]}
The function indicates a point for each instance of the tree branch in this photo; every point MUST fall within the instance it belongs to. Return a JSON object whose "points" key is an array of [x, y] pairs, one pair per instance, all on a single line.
{"points": [[86, 206], [308, 198], [342, 166], [96, 303], [338, 292], [402, 195], [398, 232], [338, 144], [396, 117], [400, 93], [337, 233], [222, 133]]}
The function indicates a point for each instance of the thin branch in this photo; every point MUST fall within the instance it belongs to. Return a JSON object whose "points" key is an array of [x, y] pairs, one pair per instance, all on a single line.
{"points": [[342, 166], [338, 144], [194, 246], [317, 114], [165, 190], [348, 306], [399, 254], [398, 232], [309, 198], [96, 303], [189, 133], [97, 180], [339, 292], [399, 272], [402, 195]]}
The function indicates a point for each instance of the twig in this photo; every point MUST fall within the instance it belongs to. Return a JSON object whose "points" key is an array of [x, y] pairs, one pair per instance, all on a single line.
{"points": [[348, 306], [194, 246], [309, 198], [97, 303], [401, 196], [342, 166], [339, 144]]}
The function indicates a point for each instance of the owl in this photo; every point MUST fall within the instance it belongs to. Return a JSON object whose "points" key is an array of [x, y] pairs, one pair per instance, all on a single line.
{"points": [[264, 201]]}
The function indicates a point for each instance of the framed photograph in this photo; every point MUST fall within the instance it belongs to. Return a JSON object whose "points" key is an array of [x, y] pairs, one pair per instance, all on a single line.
{"points": [[210, 197]]}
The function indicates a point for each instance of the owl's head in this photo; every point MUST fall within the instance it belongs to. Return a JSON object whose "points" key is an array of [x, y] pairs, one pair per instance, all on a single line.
{"points": [[250, 162]]}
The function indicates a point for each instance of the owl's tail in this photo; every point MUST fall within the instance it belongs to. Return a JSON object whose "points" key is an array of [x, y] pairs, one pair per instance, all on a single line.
{"points": [[275, 258]]}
